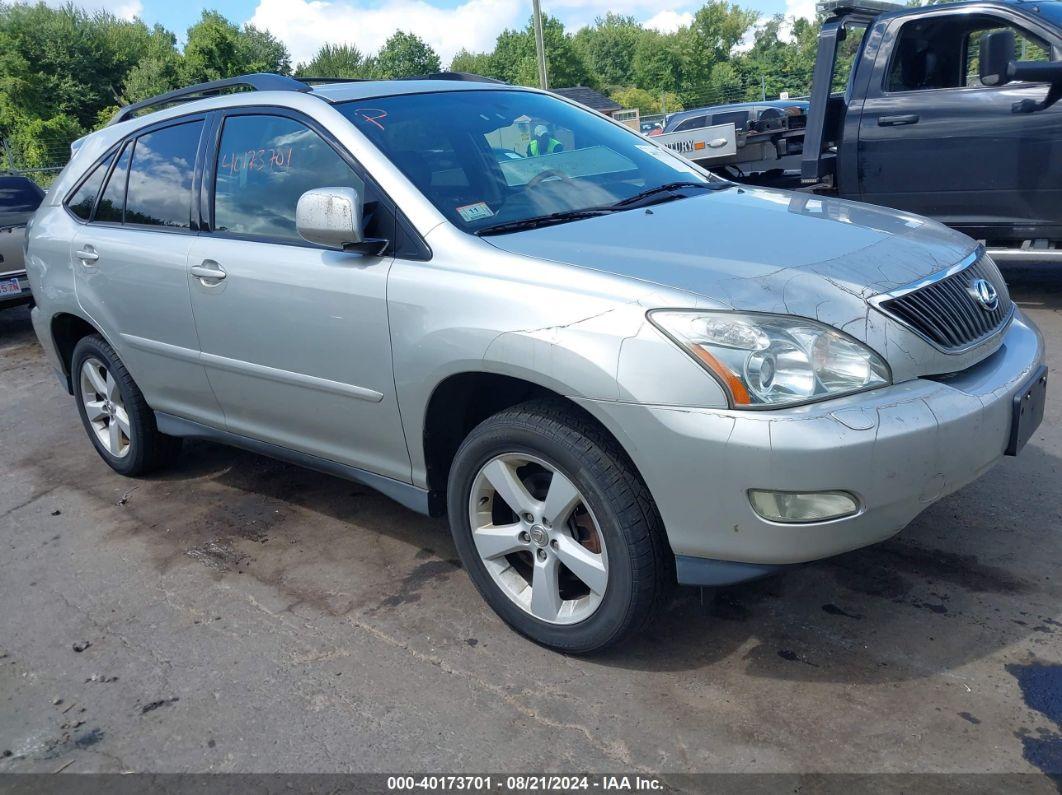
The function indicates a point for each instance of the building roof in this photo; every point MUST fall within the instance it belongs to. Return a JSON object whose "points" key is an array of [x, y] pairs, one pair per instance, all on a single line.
{"points": [[594, 100]]}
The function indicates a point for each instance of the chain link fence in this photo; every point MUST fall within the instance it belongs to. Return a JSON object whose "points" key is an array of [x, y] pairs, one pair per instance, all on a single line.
{"points": [[41, 160]]}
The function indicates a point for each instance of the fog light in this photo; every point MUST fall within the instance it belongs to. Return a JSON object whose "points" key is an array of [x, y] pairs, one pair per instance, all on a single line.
{"points": [[803, 506]]}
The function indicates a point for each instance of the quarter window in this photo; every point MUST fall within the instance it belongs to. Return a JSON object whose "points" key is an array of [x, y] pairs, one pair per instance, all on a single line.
{"points": [[112, 203], [264, 164], [160, 180], [81, 202]]}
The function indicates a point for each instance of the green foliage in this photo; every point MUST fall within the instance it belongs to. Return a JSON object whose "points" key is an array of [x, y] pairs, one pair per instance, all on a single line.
{"points": [[405, 55], [336, 60], [38, 143], [607, 48], [261, 51], [65, 70], [513, 59], [646, 101], [476, 63]]}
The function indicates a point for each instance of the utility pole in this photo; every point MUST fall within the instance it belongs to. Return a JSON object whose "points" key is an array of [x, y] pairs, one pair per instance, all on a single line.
{"points": [[540, 45]]}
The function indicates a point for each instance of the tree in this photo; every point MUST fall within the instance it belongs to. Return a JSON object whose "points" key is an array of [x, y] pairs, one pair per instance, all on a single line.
{"points": [[260, 51], [716, 30], [513, 59], [335, 60], [658, 62], [212, 50], [157, 71], [608, 46], [216, 48], [62, 61], [476, 63], [646, 102], [406, 55]]}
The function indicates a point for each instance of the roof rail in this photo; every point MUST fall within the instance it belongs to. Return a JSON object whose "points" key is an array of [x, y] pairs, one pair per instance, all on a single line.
{"points": [[311, 80], [467, 77], [261, 81]]}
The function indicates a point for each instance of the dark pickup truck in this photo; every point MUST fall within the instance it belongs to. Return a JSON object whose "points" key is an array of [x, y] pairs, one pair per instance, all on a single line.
{"points": [[949, 111]]}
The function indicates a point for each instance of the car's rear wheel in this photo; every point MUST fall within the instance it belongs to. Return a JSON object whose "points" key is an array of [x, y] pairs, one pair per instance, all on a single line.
{"points": [[117, 419], [556, 529]]}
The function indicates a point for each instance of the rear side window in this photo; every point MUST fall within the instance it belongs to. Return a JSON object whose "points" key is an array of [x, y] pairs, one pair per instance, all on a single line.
{"points": [[696, 123], [264, 164], [160, 179], [81, 202], [19, 195], [112, 202]]}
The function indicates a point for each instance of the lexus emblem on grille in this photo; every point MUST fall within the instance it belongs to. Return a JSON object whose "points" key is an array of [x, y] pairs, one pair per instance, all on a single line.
{"points": [[985, 294]]}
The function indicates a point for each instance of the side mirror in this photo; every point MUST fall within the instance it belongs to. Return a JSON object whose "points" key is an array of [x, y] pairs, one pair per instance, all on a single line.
{"points": [[995, 56], [998, 67], [332, 217]]}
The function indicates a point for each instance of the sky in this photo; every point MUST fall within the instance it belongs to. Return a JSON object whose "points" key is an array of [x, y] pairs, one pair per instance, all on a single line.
{"points": [[447, 25]]}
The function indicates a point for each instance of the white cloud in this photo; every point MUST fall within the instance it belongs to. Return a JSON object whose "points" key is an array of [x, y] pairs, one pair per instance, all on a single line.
{"points": [[304, 25], [123, 9], [669, 21], [800, 8]]}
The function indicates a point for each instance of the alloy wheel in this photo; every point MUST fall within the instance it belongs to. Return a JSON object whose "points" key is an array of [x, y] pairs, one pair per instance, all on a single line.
{"points": [[105, 408], [538, 538]]}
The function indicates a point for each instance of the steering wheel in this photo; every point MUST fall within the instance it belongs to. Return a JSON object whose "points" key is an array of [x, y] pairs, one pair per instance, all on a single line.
{"points": [[542, 176]]}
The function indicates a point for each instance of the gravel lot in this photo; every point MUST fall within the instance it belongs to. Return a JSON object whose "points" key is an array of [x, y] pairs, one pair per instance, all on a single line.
{"points": [[238, 614]]}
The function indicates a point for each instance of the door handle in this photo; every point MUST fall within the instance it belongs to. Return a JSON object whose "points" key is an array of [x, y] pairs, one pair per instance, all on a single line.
{"points": [[87, 255], [209, 273], [896, 121]]}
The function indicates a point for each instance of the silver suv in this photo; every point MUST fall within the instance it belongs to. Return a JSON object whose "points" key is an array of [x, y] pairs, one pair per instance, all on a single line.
{"points": [[610, 369]]}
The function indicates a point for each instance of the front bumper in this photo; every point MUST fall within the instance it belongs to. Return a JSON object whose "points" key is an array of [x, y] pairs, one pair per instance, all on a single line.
{"points": [[899, 449]]}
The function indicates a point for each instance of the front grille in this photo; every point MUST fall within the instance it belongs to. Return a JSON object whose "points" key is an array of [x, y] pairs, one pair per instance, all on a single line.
{"points": [[948, 313]]}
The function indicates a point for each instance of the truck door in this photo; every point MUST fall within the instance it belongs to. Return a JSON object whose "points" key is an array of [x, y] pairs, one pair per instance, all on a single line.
{"points": [[934, 140]]}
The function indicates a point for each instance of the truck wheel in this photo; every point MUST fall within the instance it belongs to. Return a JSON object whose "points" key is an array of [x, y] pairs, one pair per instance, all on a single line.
{"points": [[556, 529], [112, 408]]}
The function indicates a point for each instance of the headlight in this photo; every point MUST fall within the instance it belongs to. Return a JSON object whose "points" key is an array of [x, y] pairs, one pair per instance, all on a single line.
{"points": [[766, 361]]}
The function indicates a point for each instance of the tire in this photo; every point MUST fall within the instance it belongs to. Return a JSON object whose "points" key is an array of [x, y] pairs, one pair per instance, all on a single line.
{"points": [[141, 449], [528, 440]]}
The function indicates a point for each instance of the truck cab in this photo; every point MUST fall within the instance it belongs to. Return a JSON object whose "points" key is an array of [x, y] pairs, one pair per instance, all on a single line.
{"points": [[924, 124]]}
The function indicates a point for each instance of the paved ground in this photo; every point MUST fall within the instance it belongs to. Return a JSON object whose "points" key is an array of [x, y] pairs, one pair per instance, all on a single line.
{"points": [[239, 614]]}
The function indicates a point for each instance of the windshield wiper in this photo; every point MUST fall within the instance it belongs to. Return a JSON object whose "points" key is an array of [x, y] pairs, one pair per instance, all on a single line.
{"points": [[542, 220], [667, 192]]}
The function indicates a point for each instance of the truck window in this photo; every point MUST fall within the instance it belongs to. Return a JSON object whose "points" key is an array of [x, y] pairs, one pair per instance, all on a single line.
{"points": [[849, 52], [694, 123], [1027, 48], [942, 51]]}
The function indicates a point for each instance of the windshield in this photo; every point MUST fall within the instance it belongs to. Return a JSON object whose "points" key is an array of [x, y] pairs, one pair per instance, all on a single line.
{"points": [[485, 158]]}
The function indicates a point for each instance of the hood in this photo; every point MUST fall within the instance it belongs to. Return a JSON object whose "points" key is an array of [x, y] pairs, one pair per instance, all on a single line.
{"points": [[758, 250]]}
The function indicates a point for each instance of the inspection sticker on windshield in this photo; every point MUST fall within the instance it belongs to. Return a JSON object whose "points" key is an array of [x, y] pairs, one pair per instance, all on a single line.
{"points": [[475, 212]]}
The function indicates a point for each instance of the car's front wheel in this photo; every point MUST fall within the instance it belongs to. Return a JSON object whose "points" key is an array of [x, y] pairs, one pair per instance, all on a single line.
{"points": [[119, 422], [556, 529]]}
